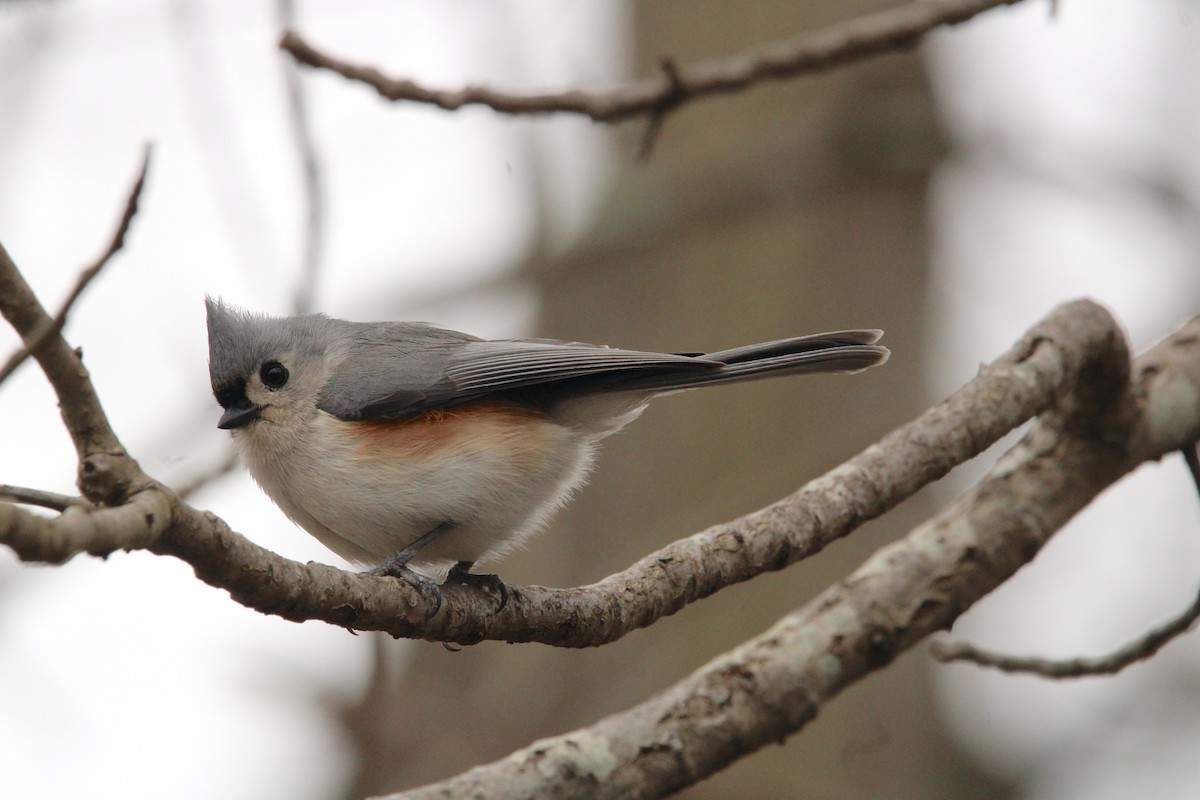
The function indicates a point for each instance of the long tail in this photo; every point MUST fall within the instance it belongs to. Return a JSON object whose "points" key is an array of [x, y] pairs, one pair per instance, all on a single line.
{"points": [[839, 351]]}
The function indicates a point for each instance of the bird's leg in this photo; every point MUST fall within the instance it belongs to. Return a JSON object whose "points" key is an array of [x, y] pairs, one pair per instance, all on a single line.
{"points": [[396, 566], [399, 561], [461, 573]]}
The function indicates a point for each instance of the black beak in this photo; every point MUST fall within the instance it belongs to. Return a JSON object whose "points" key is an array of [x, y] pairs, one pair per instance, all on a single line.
{"points": [[243, 412]]}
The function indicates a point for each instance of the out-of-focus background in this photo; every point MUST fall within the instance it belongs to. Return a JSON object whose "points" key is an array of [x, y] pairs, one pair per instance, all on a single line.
{"points": [[951, 195]]}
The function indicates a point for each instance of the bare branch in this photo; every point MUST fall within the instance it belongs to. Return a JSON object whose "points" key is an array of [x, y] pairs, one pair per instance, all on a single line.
{"points": [[675, 95], [134, 525], [867, 36], [198, 481], [306, 286], [304, 293], [37, 497], [35, 338], [101, 475], [1191, 457], [1139, 649]]}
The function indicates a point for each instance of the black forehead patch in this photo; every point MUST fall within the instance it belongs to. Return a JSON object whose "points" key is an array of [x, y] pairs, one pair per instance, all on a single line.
{"points": [[231, 394]]}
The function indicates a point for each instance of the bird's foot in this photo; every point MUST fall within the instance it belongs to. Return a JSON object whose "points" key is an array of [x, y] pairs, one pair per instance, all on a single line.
{"points": [[397, 567], [461, 573]]}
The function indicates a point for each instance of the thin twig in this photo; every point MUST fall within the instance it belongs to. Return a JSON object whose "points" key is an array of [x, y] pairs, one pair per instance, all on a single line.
{"points": [[197, 482], [1139, 649], [36, 338], [37, 497], [305, 292], [306, 287], [1191, 457], [82, 413], [867, 36], [677, 94], [304, 296]]}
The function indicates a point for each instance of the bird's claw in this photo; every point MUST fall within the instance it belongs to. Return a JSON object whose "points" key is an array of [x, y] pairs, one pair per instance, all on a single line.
{"points": [[460, 574], [426, 587]]}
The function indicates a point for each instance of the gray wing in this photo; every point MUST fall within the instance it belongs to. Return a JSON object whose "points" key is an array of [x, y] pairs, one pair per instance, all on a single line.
{"points": [[393, 381]]}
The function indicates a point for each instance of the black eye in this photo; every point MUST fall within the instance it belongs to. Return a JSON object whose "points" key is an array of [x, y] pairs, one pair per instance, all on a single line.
{"points": [[274, 375]]}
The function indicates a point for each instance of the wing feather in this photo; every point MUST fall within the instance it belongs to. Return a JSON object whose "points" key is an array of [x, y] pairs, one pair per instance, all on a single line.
{"points": [[409, 386], [397, 371]]}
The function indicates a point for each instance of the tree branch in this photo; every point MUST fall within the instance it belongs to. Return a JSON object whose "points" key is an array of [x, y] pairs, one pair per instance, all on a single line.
{"points": [[35, 338], [1139, 649], [772, 686], [104, 466], [37, 497], [314, 200], [204, 477], [858, 39], [1191, 457], [135, 525], [1053, 356]]}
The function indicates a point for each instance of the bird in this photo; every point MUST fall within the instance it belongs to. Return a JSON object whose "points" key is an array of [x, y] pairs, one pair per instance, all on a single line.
{"points": [[406, 447]]}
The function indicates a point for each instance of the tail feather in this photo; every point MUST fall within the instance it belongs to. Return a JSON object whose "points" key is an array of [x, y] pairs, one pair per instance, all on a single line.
{"points": [[797, 344], [840, 351]]}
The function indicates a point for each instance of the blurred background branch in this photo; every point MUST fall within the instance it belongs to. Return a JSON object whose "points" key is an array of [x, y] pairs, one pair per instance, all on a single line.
{"points": [[37, 337], [838, 45]]}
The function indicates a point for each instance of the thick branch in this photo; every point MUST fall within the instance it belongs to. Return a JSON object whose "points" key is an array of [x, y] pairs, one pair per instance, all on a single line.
{"points": [[773, 685], [871, 35], [133, 526]]}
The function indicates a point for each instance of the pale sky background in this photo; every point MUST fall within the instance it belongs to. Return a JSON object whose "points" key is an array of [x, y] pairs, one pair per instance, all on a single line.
{"points": [[1078, 173]]}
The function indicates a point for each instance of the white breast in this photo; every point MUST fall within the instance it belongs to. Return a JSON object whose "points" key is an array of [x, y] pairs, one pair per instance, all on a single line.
{"points": [[368, 489]]}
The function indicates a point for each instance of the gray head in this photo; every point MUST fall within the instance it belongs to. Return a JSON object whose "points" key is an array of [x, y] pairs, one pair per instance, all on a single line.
{"points": [[269, 368]]}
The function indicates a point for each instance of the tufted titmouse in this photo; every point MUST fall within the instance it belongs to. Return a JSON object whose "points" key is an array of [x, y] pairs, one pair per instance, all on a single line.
{"points": [[394, 442]]}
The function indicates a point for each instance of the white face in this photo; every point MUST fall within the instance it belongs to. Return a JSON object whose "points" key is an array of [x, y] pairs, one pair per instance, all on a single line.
{"points": [[273, 391]]}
